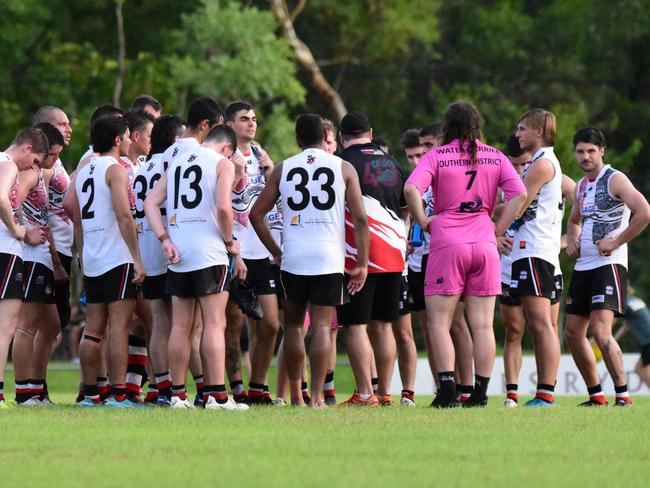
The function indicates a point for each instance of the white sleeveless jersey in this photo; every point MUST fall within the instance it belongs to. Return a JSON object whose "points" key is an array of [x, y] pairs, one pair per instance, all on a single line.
{"points": [[192, 210], [414, 259], [539, 229], [602, 216], [153, 258], [35, 217], [8, 243], [59, 221], [103, 248], [313, 201]]}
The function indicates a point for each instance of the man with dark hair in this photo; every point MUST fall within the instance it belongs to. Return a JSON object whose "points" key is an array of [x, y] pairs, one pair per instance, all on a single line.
{"points": [[39, 320], [315, 188], [536, 247], [166, 131], [262, 273], [369, 314], [412, 146], [203, 116], [148, 104], [599, 229], [431, 135], [200, 240], [140, 125], [110, 258], [59, 222], [29, 146]]}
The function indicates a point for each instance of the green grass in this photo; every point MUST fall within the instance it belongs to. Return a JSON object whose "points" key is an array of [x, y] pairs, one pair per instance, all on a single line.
{"points": [[566, 446]]}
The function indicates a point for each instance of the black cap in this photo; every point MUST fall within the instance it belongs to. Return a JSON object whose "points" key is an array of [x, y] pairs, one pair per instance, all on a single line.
{"points": [[354, 123]]}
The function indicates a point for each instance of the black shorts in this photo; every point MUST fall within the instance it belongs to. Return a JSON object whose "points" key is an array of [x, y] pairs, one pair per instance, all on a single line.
{"points": [[153, 287], [416, 286], [11, 277], [404, 303], [116, 284], [62, 292], [377, 300], [506, 298], [263, 276], [194, 284], [326, 290], [603, 288], [533, 277], [38, 283]]}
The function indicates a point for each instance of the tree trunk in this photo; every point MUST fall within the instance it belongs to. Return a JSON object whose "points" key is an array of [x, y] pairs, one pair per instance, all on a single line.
{"points": [[121, 55], [306, 58]]}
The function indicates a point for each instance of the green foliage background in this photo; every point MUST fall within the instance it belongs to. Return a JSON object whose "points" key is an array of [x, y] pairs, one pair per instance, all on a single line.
{"points": [[400, 61]]}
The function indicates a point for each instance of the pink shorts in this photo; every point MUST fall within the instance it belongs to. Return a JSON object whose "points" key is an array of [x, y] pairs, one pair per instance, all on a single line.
{"points": [[335, 324], [471, 269]]}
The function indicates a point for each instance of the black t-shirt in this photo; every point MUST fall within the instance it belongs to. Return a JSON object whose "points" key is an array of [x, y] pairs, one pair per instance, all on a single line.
{"points": [[380, 175], [382, 186]]}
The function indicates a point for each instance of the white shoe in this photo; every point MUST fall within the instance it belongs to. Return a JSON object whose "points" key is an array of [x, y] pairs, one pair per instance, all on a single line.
{"points": [[279, 402], [406, 402], [32, 402], [182, 404], [46, 402], [231, 405], [510, 403]]}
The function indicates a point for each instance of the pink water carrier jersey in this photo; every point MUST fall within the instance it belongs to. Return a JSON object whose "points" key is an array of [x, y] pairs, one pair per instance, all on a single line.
{"points": [[59, 221], [464, 193], [34, 217], [8, 243]]}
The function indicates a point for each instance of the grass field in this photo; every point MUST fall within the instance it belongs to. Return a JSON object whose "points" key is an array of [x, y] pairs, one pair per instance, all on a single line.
{"points": [[564, 446]]}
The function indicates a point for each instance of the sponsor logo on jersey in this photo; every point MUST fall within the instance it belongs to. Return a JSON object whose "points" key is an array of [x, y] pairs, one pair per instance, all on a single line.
{"points": [[439, 280], [40, 280], [48, 289], [523, 275], [138, 228], [609, 290], [172, 220], [311, 159], [295, 221], [598, 299], [522, 244]]}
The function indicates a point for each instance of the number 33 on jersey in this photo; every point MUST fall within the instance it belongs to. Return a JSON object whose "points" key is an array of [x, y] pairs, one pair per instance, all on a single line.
{"points": [[313, 201]]}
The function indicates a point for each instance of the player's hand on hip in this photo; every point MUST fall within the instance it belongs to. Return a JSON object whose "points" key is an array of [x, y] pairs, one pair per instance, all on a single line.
{"points": [[358, 277], [606, 246]]}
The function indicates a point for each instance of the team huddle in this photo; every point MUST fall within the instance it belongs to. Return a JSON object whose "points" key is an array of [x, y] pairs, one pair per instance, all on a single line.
{"points": [[186, 232]]}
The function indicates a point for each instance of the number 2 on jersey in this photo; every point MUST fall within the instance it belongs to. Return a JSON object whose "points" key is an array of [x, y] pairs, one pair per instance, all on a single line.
{"points": [[86, 213]]}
